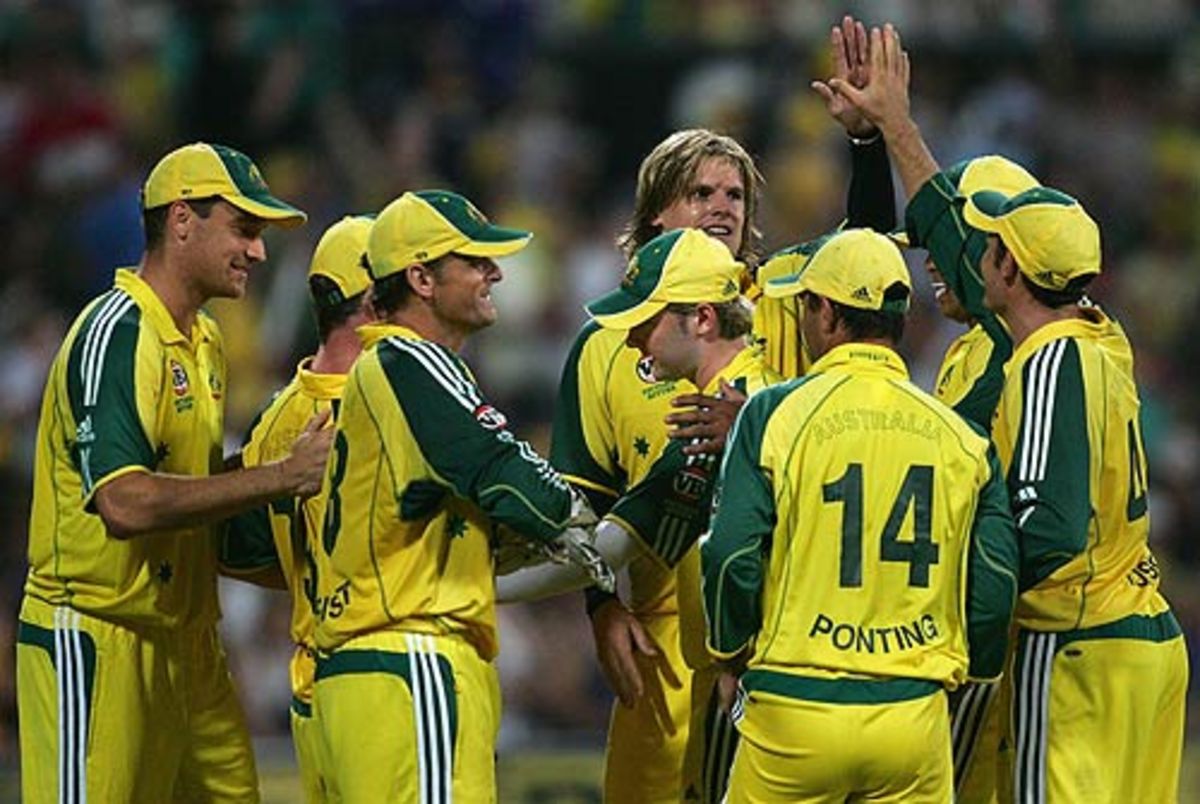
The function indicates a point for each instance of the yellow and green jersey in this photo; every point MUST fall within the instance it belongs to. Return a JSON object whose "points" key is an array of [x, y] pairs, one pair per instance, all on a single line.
{"points": [[284, 533], [127, 392], [861, 528], [1069, 436], [608, 433], [669, 509], [972, 372], [421, 469], [777, 320], [972, 375]]}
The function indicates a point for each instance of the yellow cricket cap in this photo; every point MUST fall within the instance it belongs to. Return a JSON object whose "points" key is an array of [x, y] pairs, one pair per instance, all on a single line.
{"points": [[854, 267], [202, 170], [424, 225], [1049, 233], [338, 257], [682, 266]]}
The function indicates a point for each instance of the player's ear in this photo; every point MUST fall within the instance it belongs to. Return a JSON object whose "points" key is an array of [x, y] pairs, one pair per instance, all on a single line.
{"points": [[706, 319], [179, 220], [420, 279]]}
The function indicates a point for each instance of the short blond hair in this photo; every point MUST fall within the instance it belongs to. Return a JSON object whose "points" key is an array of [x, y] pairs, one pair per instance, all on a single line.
{"points": [[667, 173]]}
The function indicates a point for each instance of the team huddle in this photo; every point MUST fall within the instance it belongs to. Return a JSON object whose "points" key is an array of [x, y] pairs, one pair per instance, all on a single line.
{"points": [[835, 586]]}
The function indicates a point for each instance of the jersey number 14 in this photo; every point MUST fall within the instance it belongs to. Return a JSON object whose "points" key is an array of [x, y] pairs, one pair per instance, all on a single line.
{"points": [[916, 492]]}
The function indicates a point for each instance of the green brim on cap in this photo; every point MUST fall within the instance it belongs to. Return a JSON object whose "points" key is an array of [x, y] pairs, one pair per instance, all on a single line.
{"points": [[621, 309], [268, 208], [252, 194], [495, 241]]}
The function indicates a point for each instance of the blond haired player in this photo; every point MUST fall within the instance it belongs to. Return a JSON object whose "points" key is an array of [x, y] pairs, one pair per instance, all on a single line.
{"points": [[608, 424], [123, 691], [680, 307], [276, 541], [861, 555], [422, 470]]}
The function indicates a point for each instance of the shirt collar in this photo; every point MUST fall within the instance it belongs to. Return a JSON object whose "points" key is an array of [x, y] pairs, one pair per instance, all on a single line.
{"points": [[862, 357], [319, 386], [152, 307]]}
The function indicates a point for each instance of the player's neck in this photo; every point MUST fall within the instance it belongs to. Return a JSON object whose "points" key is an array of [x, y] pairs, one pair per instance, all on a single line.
{"points": [[422, 321], [714, 357], [171, 290], [1028, 316], [337, 352]]}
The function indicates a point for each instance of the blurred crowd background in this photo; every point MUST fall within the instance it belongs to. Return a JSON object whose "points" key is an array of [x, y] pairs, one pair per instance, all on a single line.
{"points": [[540, 111]]}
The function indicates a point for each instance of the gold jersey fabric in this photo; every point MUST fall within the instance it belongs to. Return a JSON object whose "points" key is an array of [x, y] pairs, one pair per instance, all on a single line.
{"points": [[285, 533], [972, 375], [421, 469], [669, 508], [1068, 433], [851, 509], [608, 433], [776, 327], [127, 392]]}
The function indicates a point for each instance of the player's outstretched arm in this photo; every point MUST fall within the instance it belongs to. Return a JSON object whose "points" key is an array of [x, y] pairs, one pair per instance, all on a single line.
{"points": [[614, 544], [136, 503]]}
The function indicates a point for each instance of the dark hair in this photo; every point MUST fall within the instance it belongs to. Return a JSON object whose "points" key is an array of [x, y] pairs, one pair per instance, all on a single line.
{"points": [[154, 221], [393, 291], [863, 324], [329, 308], [1071, 293]]}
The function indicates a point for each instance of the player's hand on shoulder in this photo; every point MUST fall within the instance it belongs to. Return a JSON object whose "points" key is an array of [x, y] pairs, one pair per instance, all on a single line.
{"points": [[706, 421]]}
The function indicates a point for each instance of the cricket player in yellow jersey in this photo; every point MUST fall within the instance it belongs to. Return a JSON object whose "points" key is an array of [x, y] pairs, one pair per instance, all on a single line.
{"points": [[608, 425], [423, 469], [971, 375], [123, 692], [861, 559], [274, 544], [680, 308], [1100, 673]]}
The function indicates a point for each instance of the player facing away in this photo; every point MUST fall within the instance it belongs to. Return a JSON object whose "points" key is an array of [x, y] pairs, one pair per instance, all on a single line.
{"points": [[273, 545], [1075, 544], [422, 470], [608, 424], [680, 307], [1099, 677], [861, 560], [122, 687]]}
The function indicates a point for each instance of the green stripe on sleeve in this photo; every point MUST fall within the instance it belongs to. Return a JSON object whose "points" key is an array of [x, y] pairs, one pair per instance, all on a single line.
{"points": [[102, 387], [1048, 479], [732, 556], [992, 566], [467, 443]]}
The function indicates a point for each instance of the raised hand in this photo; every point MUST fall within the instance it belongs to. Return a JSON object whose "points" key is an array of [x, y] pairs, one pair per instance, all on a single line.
{"points": [[850, 65], [884, 98]]}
